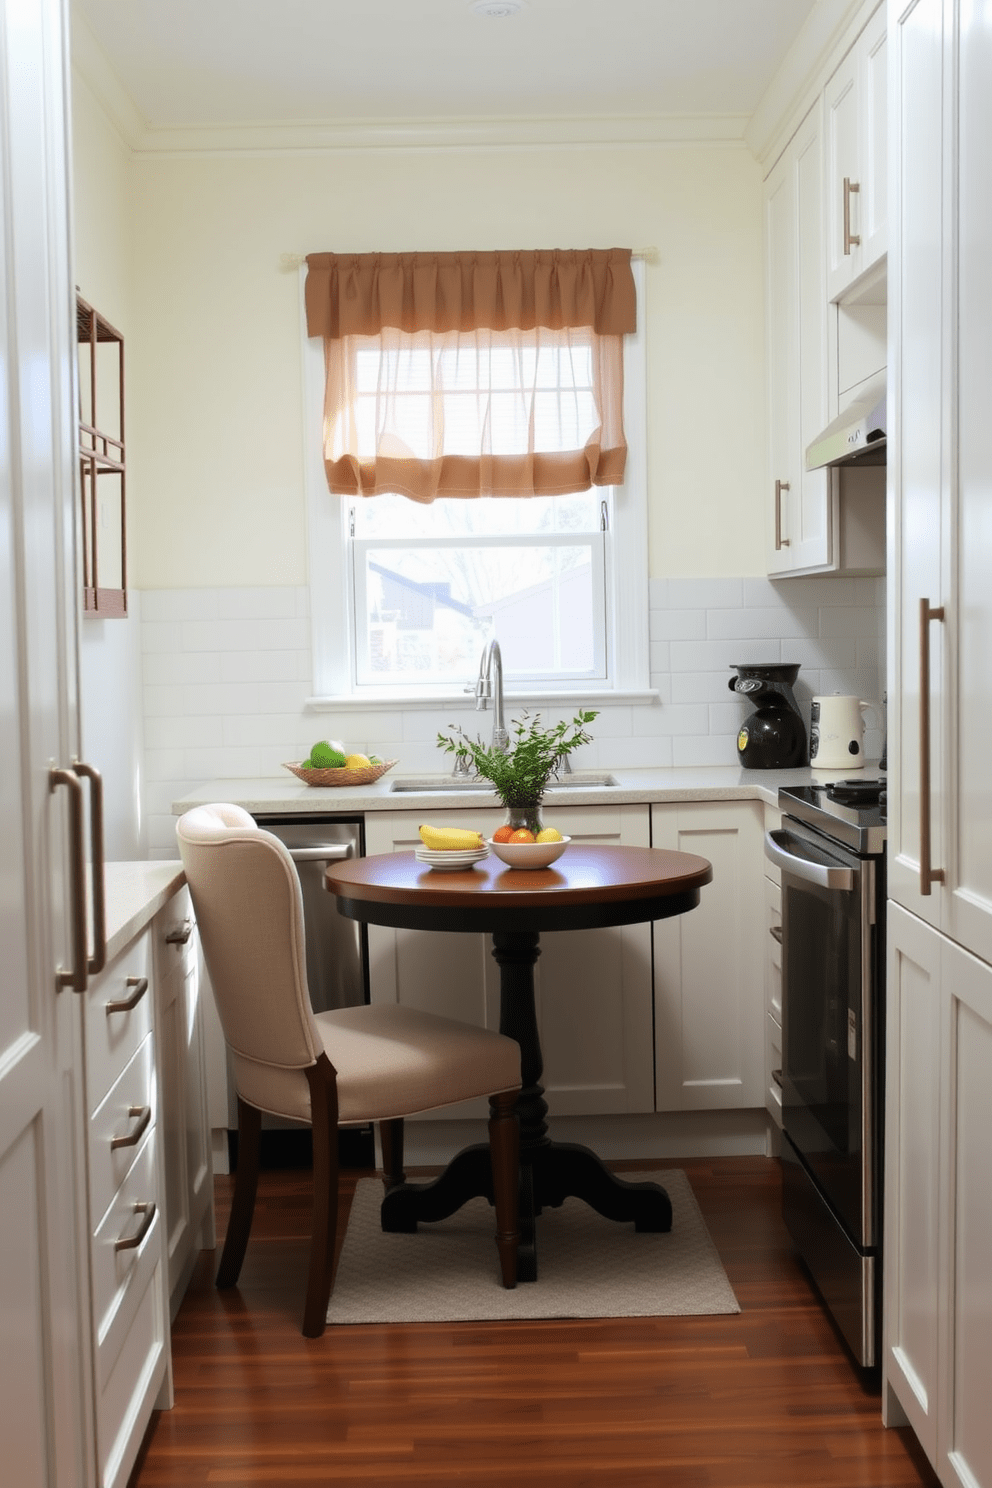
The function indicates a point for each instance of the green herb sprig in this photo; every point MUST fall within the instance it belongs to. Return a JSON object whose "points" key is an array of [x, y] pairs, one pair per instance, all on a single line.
{"points": [[520, 772]]}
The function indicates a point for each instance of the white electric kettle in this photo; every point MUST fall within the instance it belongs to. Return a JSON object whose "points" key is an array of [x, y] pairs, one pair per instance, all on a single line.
{"points": [[837, 733]]}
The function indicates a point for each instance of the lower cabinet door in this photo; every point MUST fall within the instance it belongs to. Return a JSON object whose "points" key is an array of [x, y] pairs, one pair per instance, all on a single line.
{"points": [[709, 987], [912, 1169], [593, 987], [964, 1421]]}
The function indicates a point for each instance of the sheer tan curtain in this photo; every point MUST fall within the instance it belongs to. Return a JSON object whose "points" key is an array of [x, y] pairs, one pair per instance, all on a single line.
{"points": [[472, 374]]}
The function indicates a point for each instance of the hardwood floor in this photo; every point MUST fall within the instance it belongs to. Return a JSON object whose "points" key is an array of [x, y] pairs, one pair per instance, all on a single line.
{"points": [[765, 1399]]}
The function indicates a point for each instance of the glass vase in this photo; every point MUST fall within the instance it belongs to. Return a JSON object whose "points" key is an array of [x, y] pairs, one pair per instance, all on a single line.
{"points": [[525, 816]]}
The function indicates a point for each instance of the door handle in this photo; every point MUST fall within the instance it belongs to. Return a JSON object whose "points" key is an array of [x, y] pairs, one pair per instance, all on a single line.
{"points": [[328, 852], [819, 874], [780, 541], [98, 960], [851, 240], [76, 976], [928, 874]]}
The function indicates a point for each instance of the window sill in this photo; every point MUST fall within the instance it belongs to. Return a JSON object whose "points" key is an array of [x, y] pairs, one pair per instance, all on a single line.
{"points": [[395, 701]]}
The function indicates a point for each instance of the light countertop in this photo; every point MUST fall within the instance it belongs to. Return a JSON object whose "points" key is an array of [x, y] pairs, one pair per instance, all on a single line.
{"points": [[285, 795], [135, 893]]}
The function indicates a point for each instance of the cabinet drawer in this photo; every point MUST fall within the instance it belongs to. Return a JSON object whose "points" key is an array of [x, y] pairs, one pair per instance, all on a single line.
{"points": [[126, 1113], [127, 1391], [118, 1275], [174, 932], [113, 1037]]}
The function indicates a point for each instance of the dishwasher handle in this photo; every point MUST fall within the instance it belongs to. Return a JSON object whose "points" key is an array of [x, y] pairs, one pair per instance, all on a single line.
{"points": [[327, 852], [820, 874]]}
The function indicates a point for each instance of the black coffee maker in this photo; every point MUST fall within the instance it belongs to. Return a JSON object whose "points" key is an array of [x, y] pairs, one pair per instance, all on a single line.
{"points": [[774, 736]]}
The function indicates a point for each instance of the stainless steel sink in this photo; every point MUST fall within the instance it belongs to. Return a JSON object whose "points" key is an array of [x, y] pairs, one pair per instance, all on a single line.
{"points": [[430, 784]]}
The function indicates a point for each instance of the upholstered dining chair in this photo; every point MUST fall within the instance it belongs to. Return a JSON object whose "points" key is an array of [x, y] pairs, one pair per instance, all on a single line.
{"points": [[328, 1069]]}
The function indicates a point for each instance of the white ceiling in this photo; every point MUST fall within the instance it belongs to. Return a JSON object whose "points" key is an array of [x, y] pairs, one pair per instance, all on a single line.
{"points": [[198, 63]]}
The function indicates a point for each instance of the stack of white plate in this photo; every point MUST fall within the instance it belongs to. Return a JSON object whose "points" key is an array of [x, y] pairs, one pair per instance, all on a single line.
{"points": [[450, 858]]}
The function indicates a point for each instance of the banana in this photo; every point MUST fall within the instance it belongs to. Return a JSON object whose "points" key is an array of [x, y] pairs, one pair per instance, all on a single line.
{"points": [[441, 839]]}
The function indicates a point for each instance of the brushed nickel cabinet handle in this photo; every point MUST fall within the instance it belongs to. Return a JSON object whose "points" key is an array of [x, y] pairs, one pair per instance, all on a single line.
{"points": [[928, 874], [850, 239], [125, 1004], [98, 960], [776, 933], [76, 976], [144, 1114], [777, 1077], [181, 934], [133, 1241], [780, 541]]}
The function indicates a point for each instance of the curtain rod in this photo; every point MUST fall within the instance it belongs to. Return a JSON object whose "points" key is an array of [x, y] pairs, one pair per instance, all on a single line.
{"points": [[290, 262]]}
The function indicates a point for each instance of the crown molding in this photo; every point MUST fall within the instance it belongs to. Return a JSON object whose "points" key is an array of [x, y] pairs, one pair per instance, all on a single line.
{"points": [[420, 134], [829, 30]]}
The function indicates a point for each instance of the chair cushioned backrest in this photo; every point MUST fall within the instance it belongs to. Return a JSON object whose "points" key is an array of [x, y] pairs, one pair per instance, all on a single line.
{"points": [[249, 913]]}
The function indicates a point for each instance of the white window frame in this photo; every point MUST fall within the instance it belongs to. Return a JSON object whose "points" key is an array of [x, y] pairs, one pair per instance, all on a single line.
{"points": [[331, 583]]}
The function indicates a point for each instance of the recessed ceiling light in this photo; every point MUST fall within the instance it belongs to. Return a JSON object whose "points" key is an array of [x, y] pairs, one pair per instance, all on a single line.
{"points": [[496, 9]]}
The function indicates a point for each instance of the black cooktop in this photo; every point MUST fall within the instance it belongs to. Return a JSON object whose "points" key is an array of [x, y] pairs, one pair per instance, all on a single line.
{"points": [[851, 811]]}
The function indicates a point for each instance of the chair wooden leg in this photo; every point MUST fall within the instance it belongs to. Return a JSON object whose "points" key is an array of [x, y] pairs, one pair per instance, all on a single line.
{"points": [[324, 1115], [245, 1187], [391, 1137], [504, 1150]]}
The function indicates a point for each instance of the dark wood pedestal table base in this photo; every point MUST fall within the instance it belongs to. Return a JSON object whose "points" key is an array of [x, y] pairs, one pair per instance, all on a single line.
{"points": [[588, 888]]}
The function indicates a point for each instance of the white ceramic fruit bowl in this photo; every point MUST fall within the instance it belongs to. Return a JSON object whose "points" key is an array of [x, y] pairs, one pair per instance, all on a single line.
{"points": [[529, 854]]}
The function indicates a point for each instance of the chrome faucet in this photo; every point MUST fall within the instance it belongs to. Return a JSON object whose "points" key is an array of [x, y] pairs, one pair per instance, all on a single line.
{"points": [[490, 685]]}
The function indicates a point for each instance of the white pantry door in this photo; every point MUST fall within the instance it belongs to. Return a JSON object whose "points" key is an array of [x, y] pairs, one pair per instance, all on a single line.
{"points": [[45, 1440]]}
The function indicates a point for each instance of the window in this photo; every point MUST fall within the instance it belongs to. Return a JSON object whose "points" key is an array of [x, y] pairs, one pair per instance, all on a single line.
{"points": [[404, 594]]}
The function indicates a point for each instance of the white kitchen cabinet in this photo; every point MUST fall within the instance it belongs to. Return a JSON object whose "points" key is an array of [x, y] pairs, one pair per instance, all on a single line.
{"points": [[855, 186], [940, 475], [128, 1275], [938, 1241], [179, 1040], [799, 504], [708, 964], [593, 987], [938, 1356]]}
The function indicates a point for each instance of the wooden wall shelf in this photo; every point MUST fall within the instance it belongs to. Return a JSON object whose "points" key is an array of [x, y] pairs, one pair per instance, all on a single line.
{"points": [[102, 464]]}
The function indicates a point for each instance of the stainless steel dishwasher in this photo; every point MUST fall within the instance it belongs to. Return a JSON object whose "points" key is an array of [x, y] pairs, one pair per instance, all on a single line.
{"points": [[337, 958], [337, 965]]}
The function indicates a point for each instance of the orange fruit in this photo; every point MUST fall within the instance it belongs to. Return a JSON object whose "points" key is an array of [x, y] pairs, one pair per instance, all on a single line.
{"points": [[503, 834], [522, 834]]}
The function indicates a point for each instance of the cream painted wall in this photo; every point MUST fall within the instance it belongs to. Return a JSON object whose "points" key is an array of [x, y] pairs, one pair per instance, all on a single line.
{"points": [[215, 377], [110, 650]]}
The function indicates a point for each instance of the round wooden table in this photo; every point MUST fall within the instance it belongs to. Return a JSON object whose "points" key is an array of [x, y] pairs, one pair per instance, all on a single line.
{"points": [[589, 887]]}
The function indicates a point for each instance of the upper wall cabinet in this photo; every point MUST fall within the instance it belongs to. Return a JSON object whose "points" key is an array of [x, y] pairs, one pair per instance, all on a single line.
{"points": [[799, 536], [855, 200], [101, 464]]}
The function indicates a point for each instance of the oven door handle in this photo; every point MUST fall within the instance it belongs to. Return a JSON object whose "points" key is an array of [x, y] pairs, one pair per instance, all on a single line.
{"points": [[802, 868]]}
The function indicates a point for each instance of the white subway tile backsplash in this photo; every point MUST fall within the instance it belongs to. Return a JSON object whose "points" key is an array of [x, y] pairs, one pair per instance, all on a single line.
{"points": [[755, 624], [705, 594], [713, 656], [228, 672], [678, 625], [705, 749]]}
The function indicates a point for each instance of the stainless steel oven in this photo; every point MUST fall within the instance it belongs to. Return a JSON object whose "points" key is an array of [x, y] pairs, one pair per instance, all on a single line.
{"points": [[831, 852]]}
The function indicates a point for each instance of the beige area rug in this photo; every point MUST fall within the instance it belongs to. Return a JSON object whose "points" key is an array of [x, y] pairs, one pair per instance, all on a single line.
{"points": [[587, 1266]]}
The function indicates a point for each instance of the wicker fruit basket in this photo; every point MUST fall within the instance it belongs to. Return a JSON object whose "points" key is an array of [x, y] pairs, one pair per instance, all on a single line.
{"points": [[364, 775]]}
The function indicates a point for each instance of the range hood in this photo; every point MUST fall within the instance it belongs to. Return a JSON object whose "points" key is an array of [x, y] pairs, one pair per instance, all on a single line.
{"points": [[856, 436]]}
